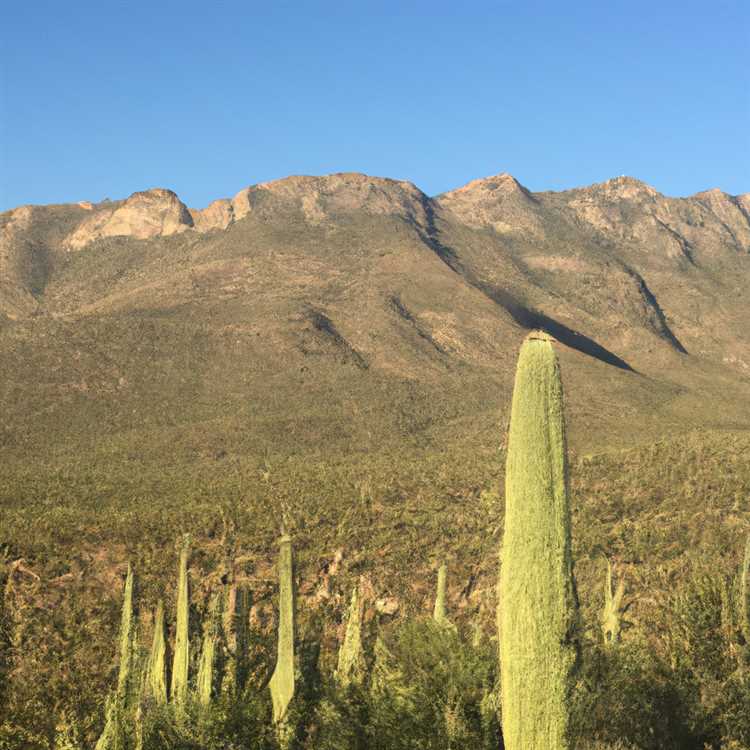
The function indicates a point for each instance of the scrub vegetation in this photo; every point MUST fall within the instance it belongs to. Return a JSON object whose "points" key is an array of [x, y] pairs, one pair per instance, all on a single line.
{"points": [[369, 653]]}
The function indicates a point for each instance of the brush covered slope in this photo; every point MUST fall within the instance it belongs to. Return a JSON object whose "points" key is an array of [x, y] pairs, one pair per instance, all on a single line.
{"points": [[340, 350]]}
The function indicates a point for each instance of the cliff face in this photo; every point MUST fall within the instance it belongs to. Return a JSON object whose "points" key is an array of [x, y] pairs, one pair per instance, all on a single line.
{"points": [[366, 283], [151, 213]]}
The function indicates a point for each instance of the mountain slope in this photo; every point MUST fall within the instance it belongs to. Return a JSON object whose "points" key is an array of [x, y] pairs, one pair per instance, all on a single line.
{"points": [[311, 293]]}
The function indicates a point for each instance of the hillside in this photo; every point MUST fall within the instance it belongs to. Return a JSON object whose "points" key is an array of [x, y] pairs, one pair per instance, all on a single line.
{"points": [[340, 351], [358, 293]]}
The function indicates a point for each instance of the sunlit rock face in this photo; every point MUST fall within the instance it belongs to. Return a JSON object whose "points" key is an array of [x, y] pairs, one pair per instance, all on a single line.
{"points": [[151, 213]]}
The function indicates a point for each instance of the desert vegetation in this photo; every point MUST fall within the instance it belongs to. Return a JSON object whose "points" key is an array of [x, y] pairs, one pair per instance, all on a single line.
{"points": [[253, 639]]}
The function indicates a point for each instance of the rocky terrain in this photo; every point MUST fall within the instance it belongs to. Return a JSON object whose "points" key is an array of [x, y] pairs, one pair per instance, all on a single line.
{"points": [[346, 286]]}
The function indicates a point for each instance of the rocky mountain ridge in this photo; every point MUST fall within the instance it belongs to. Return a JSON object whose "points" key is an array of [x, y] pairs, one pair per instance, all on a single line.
{"points": [[484, 202], [349, 282]]}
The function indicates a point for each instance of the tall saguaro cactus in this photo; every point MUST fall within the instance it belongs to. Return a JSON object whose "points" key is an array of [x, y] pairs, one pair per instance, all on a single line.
{"points": [[282, 681], [181, 644], [156, 675], [538, 603]]}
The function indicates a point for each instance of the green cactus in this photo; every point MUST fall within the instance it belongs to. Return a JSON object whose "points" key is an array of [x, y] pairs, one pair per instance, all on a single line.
{"points": [[612, 622], [156, 671], [350, 669], [127, 639], [138, 729], [207, 666], [439, 613], [181, 660], [235, 616], [538, 602], [112, 738], [282, 681]]}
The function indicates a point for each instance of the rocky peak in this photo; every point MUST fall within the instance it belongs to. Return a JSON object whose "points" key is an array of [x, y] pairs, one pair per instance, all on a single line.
{"points": [[340, 193], [499, 201], [622, 188], [150, 213], [499, 185]]}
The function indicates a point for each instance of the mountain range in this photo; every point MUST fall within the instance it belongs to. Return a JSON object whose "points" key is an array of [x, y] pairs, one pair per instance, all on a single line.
{"points": [[311, 311]]}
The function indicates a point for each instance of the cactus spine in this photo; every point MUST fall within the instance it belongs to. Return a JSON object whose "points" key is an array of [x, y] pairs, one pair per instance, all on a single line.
{"points": [[350, 665], [538, 603], [206, 668], [156, 674], [181, 645], [282, 681]]}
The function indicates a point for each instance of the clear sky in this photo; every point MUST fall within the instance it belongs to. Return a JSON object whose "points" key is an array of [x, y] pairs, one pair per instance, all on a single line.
{"points": [[99, 99]]}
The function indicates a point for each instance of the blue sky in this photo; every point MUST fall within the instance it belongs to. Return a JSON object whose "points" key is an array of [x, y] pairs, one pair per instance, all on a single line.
{"points": [[99, 99]]}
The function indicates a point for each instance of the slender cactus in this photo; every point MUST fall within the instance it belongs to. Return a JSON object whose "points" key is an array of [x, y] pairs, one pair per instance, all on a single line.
{"points": [[538, 603], [282, 681], [112, 737], [156, 673], [351, 660], [207, 666], [439, 612], [242, 645], [127, 632], [611, 616], [182, 646]]}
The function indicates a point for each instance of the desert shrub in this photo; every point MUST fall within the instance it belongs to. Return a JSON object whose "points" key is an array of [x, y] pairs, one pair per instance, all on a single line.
{"points": [[626, 694], [430, 691]]}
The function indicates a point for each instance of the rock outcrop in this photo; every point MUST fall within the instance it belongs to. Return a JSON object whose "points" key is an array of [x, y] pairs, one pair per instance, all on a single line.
{"points": [[500, 202], [15, 297], [151, 213], [321, 197], [216, 216]]}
